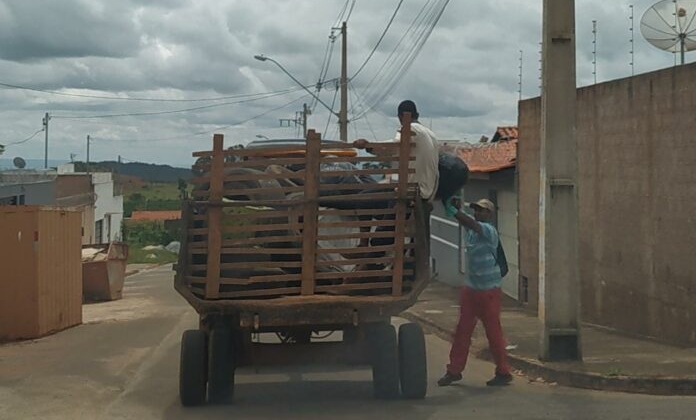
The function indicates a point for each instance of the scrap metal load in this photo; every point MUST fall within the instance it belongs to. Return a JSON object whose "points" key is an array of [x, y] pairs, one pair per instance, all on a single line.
{"points": [[317, 218]]}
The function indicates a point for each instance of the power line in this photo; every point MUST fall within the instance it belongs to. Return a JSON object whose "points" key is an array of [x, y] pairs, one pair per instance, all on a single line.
{"points": [[25, 140], [351, 11], [333, 103], [224, 127], [116, 98], [379, 41], [139, 114], [424, 24]]}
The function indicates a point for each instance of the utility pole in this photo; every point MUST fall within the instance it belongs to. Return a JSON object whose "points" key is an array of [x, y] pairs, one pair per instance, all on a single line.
{"points": [[594, 50], [343, 113], [305, 111], [88, 153], [519, 84], [46, 118], [633, 61], [559, 288]]}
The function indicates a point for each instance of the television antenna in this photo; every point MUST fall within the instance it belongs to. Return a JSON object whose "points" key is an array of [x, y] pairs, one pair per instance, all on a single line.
{"points": [[670, 26]]}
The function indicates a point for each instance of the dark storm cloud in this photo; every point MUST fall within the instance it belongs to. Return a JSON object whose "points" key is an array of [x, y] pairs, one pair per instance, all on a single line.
{"points": [[41, 30]]}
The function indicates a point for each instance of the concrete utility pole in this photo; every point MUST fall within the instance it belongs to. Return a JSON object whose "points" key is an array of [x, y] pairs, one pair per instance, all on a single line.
{"points": [[343, 113], [559, 289], [88, 153], [45, 125], [305, 111]]}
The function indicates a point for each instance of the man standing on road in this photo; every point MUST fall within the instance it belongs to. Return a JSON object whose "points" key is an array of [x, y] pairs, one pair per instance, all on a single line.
{"points": [[481, 295]]}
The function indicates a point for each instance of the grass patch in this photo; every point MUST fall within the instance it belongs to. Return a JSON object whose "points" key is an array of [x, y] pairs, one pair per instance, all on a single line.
{"points": [[137, 255]]}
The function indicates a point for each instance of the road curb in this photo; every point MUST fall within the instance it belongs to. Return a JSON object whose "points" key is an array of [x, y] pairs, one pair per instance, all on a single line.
{"points": [[534, 369]]}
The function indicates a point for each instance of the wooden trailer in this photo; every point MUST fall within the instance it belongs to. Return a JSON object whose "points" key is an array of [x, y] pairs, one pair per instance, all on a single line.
{"points": [[300, 244]]}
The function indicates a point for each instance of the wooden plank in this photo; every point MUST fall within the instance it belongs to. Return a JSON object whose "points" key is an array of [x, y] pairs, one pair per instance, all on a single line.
{"points": [[251, 241], [249, 251], [248, 281], [212, 268], [361, 250], [353, 287], [260, 214], [361, 159], [357, 223], [361, 197], [263, 292], [249, 265], [358, 188], [256, 203], [311, 210], [357, 261], [357, 212], [267, 190], [359, 274], [356, 235], [250, 228], [263, 163], [357, 172], [404, 152]]}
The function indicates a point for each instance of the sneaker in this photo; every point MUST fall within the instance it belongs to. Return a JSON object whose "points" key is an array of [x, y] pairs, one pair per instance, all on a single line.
{"points": [[449, 378], [500, 380]]}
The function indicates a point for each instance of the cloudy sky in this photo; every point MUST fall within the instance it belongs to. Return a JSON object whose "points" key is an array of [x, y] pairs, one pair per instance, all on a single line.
{"points": [[151, 80]]}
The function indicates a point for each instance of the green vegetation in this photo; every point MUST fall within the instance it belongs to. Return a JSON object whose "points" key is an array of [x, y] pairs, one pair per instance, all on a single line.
{"points": [[154, 196], [137, 255], [146, 232]]}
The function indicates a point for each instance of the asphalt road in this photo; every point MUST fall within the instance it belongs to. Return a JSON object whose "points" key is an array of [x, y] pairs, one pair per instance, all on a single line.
{"points": [[123, 364]]}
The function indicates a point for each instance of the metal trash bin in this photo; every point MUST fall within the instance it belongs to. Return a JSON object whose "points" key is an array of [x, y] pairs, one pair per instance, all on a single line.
{"points": [[103, 271]]}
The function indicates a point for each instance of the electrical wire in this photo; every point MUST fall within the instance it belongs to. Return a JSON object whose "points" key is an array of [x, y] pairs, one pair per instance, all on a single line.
{"points": [[115, 98], [225, 127], [379, 41], [424, 24], [139, 114], [25, 140], [359, 101], [333, 103], [350, 12]]}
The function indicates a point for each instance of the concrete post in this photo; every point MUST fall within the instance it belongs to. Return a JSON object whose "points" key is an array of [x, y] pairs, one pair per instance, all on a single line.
{"points": [[559, 291]]}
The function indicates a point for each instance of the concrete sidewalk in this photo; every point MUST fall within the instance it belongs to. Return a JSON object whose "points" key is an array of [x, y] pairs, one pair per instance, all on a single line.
{"points": [[611, 361]]}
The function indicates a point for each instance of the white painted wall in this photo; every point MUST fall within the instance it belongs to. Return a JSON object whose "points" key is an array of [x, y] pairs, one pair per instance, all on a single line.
{"points": [[107, 207]]}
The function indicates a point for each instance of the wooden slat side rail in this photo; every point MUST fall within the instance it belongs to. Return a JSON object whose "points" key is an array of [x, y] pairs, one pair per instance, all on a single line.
{"points": [[311, 210], [292, 149], [405, 151], [359, 274], [249, 251], [361, 159], [212, 285]]}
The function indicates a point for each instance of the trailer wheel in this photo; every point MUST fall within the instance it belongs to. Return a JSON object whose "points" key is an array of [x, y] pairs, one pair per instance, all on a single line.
{"points": [[193, 368], [385, 362], [413, 368], [221, 366]]}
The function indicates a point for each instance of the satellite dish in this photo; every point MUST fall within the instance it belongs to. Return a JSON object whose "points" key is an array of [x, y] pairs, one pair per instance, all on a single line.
{"points": [[670, 26], [19, 163]]}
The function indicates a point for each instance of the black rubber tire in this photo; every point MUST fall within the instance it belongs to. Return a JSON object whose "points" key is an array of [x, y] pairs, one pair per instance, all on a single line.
{"points": [[193, 368], [413, 367], [385, 360], [221, 365]]}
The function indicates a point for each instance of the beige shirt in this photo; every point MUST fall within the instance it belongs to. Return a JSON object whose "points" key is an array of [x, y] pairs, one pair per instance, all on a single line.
{"points": [[426, 152]]}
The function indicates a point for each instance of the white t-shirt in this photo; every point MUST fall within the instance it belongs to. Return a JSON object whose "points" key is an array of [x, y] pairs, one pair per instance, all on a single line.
{"points": [[426, 152]]}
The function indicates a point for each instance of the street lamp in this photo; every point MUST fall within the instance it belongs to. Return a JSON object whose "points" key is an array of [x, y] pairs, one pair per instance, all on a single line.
{"points": [[262, 57], [261, 136]]}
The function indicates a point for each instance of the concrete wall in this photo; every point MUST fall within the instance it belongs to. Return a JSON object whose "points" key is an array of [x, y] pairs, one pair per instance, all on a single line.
{"points": [[637, 191], [108, 207], [35, 193]]}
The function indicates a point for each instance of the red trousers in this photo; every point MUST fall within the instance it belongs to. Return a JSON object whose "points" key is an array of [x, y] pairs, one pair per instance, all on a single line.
{"points": [[475, 305]]}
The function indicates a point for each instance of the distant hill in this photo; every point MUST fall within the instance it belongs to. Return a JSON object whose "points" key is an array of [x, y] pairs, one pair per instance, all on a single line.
{"points": [[148, 172]]}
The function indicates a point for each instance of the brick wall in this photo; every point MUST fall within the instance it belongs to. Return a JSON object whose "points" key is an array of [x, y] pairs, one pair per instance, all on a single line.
{"points": [[637, 192]]}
